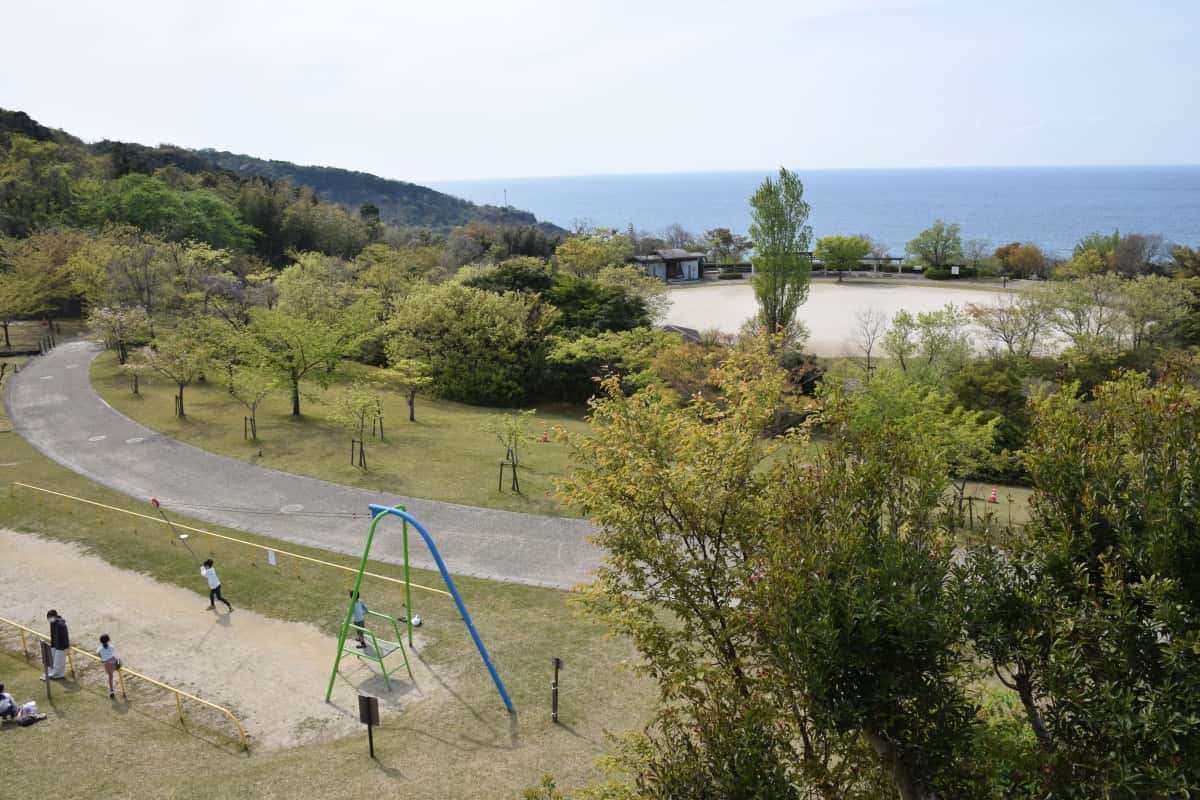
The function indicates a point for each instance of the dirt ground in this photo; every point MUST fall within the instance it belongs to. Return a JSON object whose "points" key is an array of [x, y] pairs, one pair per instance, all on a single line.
{"points": [[271, 674]]}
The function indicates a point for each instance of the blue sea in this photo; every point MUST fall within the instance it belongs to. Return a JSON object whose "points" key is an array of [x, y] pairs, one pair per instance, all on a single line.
{"points": [[1052, 207]]}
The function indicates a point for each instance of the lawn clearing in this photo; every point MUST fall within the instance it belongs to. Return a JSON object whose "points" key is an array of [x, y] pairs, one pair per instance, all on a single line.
{"points": [[445, 455], [466, 746]]}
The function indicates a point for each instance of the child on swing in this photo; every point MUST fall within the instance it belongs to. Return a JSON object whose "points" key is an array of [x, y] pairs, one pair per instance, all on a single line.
{"points": [[358, 616]]}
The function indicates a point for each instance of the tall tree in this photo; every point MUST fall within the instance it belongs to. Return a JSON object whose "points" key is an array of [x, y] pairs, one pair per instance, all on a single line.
{"points": [[936, 247], [781, 235], [118, 326], [296, 349], [177, 357], [585, 255], [412, 376], [842, 253]]}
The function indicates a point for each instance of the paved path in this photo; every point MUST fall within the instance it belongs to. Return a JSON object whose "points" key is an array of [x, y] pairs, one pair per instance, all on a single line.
{"points": [[52, 404]]}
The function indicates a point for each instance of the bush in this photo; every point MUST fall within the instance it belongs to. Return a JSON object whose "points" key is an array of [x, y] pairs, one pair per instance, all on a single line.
{"points": [[729, 275]]}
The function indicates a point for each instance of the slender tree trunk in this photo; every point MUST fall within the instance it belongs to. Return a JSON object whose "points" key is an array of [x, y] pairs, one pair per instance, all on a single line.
{"points": [[295, 394], [1025, 691], [7, 343], [412, 405], [122, 353], [893, 764], [181, 401]]}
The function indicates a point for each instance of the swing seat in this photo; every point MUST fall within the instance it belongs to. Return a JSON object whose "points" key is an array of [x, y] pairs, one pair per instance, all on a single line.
{"points": [[377, 649]]}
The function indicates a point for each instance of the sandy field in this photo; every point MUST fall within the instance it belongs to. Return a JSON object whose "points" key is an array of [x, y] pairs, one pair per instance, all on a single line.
{"points": [[829, 312], [271, 674]]}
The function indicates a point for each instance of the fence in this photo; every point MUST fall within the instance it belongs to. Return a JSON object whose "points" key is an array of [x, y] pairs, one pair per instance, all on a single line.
{"points": [[179, 694]]}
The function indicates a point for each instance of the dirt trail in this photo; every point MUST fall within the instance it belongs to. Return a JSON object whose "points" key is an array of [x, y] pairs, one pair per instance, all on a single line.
{"points": [[272, 674]]}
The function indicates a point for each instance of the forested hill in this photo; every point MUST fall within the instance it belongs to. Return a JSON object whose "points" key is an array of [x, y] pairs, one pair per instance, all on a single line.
{"points": [[399, 203], [21, 123]]}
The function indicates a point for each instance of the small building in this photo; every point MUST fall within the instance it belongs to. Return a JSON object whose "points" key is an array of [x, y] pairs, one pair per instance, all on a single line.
{"points": [[672, 265]]}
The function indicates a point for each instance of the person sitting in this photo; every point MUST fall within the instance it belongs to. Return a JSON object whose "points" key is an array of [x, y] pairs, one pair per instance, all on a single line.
{"points": [[8, 706]]}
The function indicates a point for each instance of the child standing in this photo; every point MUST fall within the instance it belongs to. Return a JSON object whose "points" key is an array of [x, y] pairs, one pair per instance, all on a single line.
{"points": [[358, 616], [214, 586], [108, 657]]}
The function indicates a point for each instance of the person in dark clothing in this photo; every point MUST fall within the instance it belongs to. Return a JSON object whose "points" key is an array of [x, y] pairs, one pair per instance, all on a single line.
{"points": [[60, 641], [8, 706]]}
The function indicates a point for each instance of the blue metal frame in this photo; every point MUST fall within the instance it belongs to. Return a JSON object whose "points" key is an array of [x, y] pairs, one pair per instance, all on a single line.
{"points": [[378, 511]]}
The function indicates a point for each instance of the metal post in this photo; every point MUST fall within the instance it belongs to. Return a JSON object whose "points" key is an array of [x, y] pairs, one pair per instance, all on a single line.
{"points": [[371, 739], [408, 609], [47, 657], [557, 663]]}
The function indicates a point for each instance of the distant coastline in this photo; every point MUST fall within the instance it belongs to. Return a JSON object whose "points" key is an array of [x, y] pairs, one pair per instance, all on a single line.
{"points": [[1050, 206]]}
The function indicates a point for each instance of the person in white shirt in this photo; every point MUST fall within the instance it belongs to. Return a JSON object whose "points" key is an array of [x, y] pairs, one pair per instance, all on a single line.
{"points": [[214, 586], [108, 657]]}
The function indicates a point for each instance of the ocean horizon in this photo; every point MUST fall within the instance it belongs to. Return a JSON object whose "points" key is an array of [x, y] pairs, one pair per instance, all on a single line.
{"points": [[1050, 206]]}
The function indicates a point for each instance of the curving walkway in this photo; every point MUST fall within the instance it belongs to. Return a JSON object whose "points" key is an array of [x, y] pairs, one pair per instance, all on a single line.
{"points": [[52, 405]]}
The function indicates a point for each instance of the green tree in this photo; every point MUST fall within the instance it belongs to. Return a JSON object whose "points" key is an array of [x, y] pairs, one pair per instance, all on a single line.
{"points": [[791, 604], [355, 406], [412, 376], [41, 184], [149, 203], [842, 253], [36, 279], [931, 345], [1152, 305], [629, 355], [652, 292], [124, 266], [1087, 312], [1091, 617], [250, 384], [520, 274], [117, 327], [1103, 245], [585, 255], [177, 357], [296, 349], [590, 307], [1016, 322], [936, 247], [481, 347], [1186, 261], [781, 234], [512, 431], [726, 247]]}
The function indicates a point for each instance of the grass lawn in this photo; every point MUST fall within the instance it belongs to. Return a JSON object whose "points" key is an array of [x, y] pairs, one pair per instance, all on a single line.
{"points": [[25, 334], [465, 747], [445, 455]]}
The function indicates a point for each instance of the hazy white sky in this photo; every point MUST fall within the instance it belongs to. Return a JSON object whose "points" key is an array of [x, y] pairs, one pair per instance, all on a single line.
{"points": [[453, 89]]}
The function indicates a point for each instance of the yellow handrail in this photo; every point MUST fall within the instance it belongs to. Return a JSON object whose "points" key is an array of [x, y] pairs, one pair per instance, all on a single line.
{"points": [[177, 692], [161, 521]]}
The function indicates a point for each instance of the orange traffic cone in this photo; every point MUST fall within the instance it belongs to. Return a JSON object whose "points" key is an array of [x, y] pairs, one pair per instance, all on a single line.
{"points": [[992, 497]]}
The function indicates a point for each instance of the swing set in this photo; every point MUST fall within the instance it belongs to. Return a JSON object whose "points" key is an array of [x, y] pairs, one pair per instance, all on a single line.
{"points": [[380, 649]]}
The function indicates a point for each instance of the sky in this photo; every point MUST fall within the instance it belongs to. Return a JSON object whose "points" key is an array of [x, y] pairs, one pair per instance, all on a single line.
{"points": [[445, 90]]}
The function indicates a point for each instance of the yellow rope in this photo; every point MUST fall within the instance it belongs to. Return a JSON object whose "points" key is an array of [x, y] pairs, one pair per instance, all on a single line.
{"points": [[161, 521]]}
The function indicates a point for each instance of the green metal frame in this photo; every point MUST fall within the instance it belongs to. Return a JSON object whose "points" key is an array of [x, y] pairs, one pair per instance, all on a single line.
{"points": [[378, 654], [348, 623], [378, 513]]}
